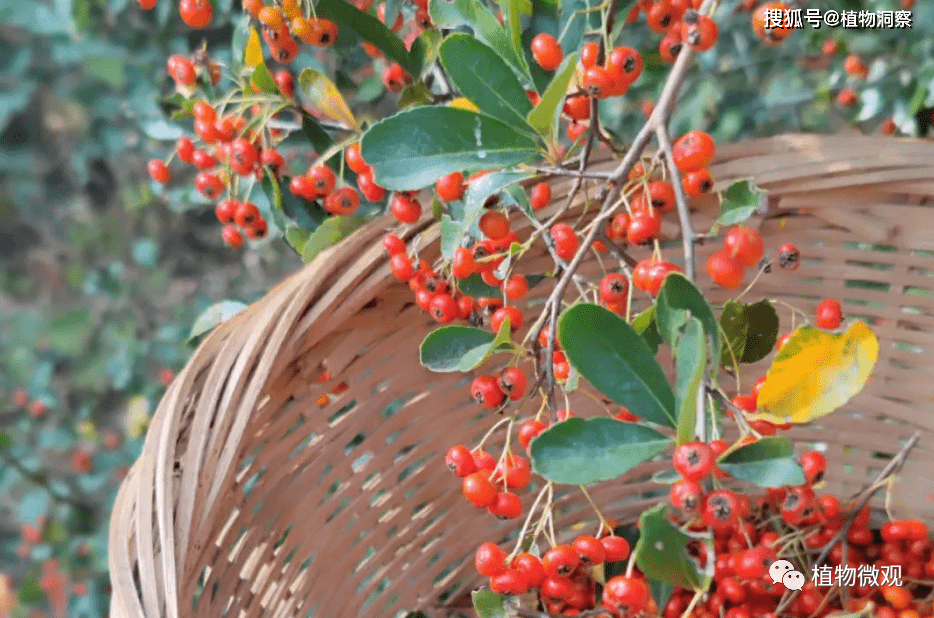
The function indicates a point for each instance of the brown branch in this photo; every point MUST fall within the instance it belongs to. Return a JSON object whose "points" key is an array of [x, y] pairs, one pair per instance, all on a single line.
{"points": [[617, 250], [681, 200]]}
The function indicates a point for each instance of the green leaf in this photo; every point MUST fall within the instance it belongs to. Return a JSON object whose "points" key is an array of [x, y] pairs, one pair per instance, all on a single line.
{"points": [[318, 137], [460, 348], [768, 462], [667, 476], [488, 604], [644, 323], [738, 203], [369, 28], [762, 331], [513, 10], [416, 147], [661, 592], [214, 315], [238, 40], [735, 325], [575, 22], [452, 233], [678, 300], [485, 79], [263, 80], [690, 360], [415, 95], [543, 117], [475, 286], [453, 14], [662, 552], [579, 451], [69, 332], [6, 440], [329, 233], [319, 91], [617, 361]]}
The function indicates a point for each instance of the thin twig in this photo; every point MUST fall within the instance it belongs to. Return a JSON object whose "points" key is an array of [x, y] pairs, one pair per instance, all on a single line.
{"points": [[562, 171], [681, 200], [617, 250]]}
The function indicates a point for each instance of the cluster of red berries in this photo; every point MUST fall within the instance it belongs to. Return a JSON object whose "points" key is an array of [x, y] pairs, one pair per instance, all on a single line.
{"points": [[678, 22], [562, 576], [37, 407], [488, 484], [742, 249]]}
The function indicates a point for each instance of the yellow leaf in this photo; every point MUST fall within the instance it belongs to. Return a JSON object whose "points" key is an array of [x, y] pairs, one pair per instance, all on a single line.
{"points": [[253, 54], [321, 93], [816, 372], [463, 103], [137, 417]]}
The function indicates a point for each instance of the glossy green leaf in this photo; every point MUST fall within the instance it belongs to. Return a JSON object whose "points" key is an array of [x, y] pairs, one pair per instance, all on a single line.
{"points": [[768, 462], [262, 79], [475, 286], [735, 325], [488, 604], [690, 361], [580, 452], [662, 552], [316, 134], [371, 29], [485, 79], [543, 117], [514, 10], [461, 348], [329, 233], [762, 331], [678, 300], [453, 14], [214, 315], [617, 361], [416, 147], [415, 95], [644, 323], [740, 200]]}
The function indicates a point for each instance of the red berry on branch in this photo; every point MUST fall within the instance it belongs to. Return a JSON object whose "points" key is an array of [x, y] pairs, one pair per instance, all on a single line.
{"points": [[546, 51], [829, 314], [196, 13], [725, 270]]}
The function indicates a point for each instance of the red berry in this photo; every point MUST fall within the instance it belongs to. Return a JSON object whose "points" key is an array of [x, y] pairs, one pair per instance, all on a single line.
{"points": [[565, 239], [395, 78], [354, 159], [829, 314], [485, 390], [745, 244], [185, 149], [232, 236], [516, 287], [697, 183], [541, 195], [462, 264], [725, 270], [700, 35], [530, 568], [814, 465], [443, 308], [789, 257], [209, 185], [529, 430], [626, 593], [644, 226], [588, 54], [560, 560], [693, 460], [450, 188], [401, 266], [686, 495], [617, 548], [546, 51], [405, 209], [614, 288], [393, 244], [243, 157], [577, 107], [720, 510], [490, 560], [591, 550], [512, 382], [507, 505], [196, 13], [495, 225], [478, 489], [693, 151], [501, 314]]}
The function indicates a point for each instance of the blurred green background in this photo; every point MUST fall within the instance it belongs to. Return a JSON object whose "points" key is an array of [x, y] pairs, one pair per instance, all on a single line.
{"points": [[105, 276]]}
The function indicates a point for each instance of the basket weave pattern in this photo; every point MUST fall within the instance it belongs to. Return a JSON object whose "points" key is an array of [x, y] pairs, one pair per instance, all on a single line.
{"points": [[256, 497]]}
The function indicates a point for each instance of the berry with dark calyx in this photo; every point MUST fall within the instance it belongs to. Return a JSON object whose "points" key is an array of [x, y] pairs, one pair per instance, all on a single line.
{"points": [[763, 26], [565, 240], [814, 465], [628, 594], [401, 266], [490, 560], [478, 490], [546, 51], [512, 382], [627, 61], [258, 230], [699, 31], [323, 179], [485, 390], [725, 270], [323, 32], [798, 505], [209, 185], [662, 196], [443, 308], [597, 81], [614, 288], [789, 257], [644, 227], [754, 562], [344, 201], [591, 550], [561, 560], [697, 183], [686, 495], [460, 461], [693, 460], [720, 509], [670, 45], [395, 78], [529, 430], [829, 314]]}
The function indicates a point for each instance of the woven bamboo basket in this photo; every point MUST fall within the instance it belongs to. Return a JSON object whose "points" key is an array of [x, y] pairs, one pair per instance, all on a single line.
{"points": [[256, 495]]}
